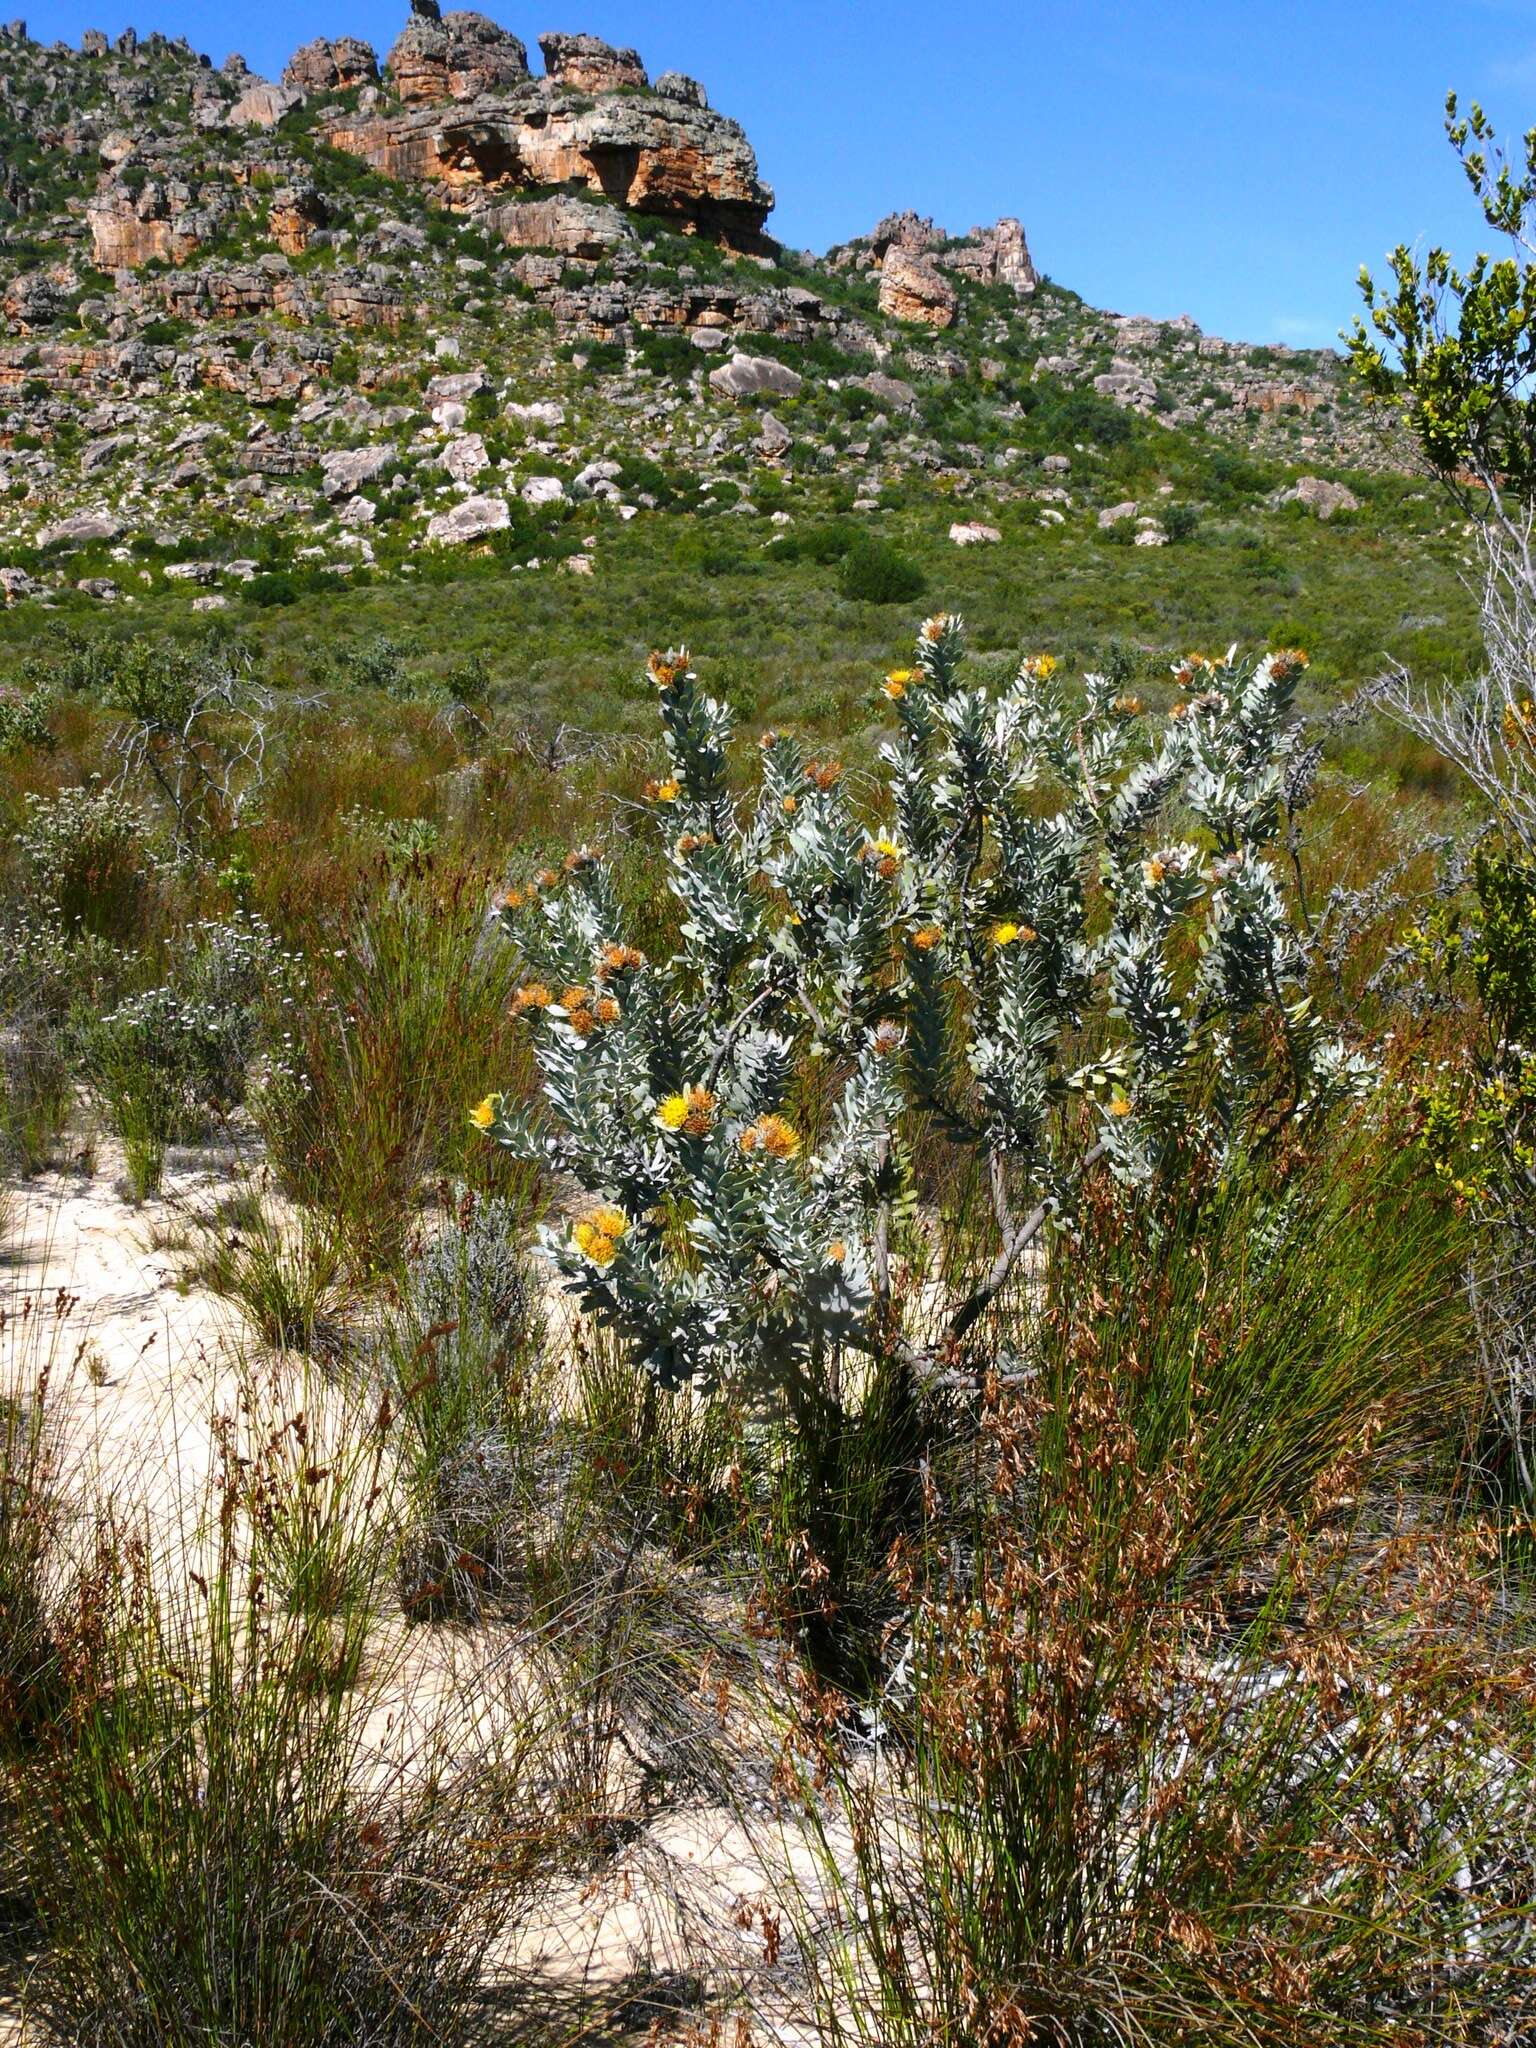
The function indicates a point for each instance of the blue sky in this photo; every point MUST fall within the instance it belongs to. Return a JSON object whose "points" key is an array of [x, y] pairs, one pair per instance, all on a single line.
{"points": [[1233, 159]]}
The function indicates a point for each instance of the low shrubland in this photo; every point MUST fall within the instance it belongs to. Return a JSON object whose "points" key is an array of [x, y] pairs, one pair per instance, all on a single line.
{"points": [[960, 1367]]}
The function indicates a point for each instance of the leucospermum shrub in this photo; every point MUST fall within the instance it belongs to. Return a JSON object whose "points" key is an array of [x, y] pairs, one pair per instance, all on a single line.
{"points": [[1060, 939]]}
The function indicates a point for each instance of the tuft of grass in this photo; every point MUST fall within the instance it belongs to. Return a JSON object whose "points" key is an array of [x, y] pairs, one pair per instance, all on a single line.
{"points": [[391, 1041], [286, 1275]]}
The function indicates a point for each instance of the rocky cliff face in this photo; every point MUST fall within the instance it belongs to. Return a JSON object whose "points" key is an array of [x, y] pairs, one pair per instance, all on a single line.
{"points": [[210, 317], [468, 118]]}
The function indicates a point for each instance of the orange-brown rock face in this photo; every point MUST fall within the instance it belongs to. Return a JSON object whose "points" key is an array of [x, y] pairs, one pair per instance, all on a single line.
{"points": [[295, 215], [326, 66], [458, 58], [128, 233], [657, 153], [911, 288]]}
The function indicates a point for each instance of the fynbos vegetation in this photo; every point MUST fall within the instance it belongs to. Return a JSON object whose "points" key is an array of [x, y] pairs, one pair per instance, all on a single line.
{"points": [[756, 1347]]}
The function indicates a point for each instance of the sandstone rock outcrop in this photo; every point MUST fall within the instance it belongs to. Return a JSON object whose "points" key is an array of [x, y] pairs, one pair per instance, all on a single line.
{"points": [[129, 230], [996, 255], [262, 105], [472, 118], [326, 66], [912, 288], [460, 56], [587, 64]]}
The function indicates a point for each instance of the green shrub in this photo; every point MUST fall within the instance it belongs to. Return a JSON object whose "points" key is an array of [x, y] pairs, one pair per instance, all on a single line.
{"points": [[874, 572]]}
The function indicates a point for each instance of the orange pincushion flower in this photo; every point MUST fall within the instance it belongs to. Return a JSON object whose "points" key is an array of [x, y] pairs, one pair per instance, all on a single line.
{"points": [[666, 669], [773, 1135], [606, 1010], [930, 936], [790, 806], [534, 996], [667, 791], [617, 959], [546, 878]]}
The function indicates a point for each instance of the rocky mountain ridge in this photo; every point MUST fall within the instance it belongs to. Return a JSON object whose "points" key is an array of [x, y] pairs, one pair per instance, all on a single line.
{"points": [[374, 306]]}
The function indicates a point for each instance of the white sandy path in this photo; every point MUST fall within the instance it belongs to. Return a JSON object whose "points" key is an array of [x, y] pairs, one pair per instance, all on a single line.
{"points": [[139, 1365]]}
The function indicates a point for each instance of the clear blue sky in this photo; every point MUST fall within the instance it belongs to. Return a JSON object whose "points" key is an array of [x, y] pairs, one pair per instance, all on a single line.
{"points": [[1233, 159]]}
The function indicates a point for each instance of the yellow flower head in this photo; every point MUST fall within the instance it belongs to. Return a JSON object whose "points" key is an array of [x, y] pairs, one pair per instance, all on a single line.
{"points": [[1153, 871], [1119, 1105], [666, 791], [1041, 667], [606, 1010], [1005, 933], [895, 684], [593, 1243], [773, 1135], [691, 1111], [533, 996], [610, 1221], [790, 806], [930, 936], [485, 1113], [1520, 724], [837, 1251]]}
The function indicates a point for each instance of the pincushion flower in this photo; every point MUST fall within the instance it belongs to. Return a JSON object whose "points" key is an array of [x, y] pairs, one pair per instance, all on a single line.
{"points": [[773, 1135], [486, 1112]]}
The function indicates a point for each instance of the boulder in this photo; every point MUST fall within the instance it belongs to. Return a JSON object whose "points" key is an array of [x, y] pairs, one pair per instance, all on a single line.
{"points": [[345, 470], [262, 105], [747, 376], [971, 533], [677, 85], [912, 289], [775, 439], [465, 458], [80, 529], [543, 490], [456, 387], [538, 412], [1113, 514], [470, 520], [891, 391], [587, 64], [16, 584], [571, 227], [326, 66], [1320, 496]]}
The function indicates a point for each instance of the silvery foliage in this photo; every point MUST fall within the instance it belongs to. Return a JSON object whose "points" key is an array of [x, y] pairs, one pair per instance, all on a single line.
{"points": [[1024, 950]]}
